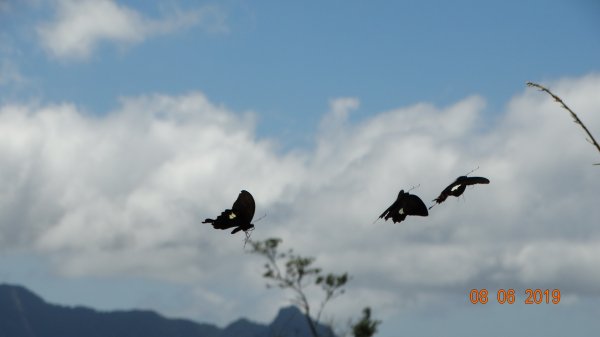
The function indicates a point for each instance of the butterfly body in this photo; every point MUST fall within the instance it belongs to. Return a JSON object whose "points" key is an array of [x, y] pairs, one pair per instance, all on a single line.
{"points": [[458, 187], [238, 217], [405, 204]]}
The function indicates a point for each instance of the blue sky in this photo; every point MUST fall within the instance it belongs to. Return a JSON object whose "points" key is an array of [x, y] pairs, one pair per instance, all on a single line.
{"points": [[125, 123], [288, 60]]}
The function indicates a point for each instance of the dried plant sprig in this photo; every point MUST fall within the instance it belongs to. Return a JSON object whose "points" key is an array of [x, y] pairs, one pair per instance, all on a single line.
{"points": [[576, 119]]}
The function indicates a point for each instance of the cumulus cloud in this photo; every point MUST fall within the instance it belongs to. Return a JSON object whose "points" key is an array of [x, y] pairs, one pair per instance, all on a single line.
{"points": [[79, 26], [124, 194]]}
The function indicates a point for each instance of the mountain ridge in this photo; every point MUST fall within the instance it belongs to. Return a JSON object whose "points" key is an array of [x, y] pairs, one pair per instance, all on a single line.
{"points": [[25, 314]]}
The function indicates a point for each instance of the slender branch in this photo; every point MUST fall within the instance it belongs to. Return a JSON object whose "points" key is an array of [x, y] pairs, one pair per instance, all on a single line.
{"points": [[297, 274], [332, 285], [591, 139], [311, 323], [322, 306], [271, 258]]}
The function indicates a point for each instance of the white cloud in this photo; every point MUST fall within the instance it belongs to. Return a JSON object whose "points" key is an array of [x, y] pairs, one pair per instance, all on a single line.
{"points": [[124, 194], [81, 25]]}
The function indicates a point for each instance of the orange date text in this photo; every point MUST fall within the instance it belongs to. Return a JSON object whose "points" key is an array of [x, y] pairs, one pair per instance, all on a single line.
{"points": [[507, 296]]}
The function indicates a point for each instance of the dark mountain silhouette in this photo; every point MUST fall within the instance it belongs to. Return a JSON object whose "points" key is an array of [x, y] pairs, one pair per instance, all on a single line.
{"points": [[24, 314], [290, 322]]}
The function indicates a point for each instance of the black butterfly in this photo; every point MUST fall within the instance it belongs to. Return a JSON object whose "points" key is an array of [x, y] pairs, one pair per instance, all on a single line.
{"points": [[458, 187], [240, 215], [405, 204]]}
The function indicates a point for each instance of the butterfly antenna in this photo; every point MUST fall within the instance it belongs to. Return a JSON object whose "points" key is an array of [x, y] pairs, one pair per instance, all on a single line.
{"points": [[430, 207], [375, 221], [248, 234], [262, 217], [412, 188], [473, 170]]}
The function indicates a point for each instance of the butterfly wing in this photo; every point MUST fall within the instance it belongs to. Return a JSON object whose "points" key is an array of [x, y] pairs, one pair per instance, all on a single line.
{"points": [[227, 219], [458, 187], [389, 210], [413, 205], [475, 180], [240, 215], [244, 207], [446, 192]]}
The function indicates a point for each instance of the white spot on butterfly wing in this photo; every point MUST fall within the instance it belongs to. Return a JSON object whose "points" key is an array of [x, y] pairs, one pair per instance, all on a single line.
{"points": [[232, 216], [455, 188], [401, 211]]}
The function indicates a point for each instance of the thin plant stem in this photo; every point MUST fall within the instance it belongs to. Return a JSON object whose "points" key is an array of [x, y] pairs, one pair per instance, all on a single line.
{"points": [[591, 138]]}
